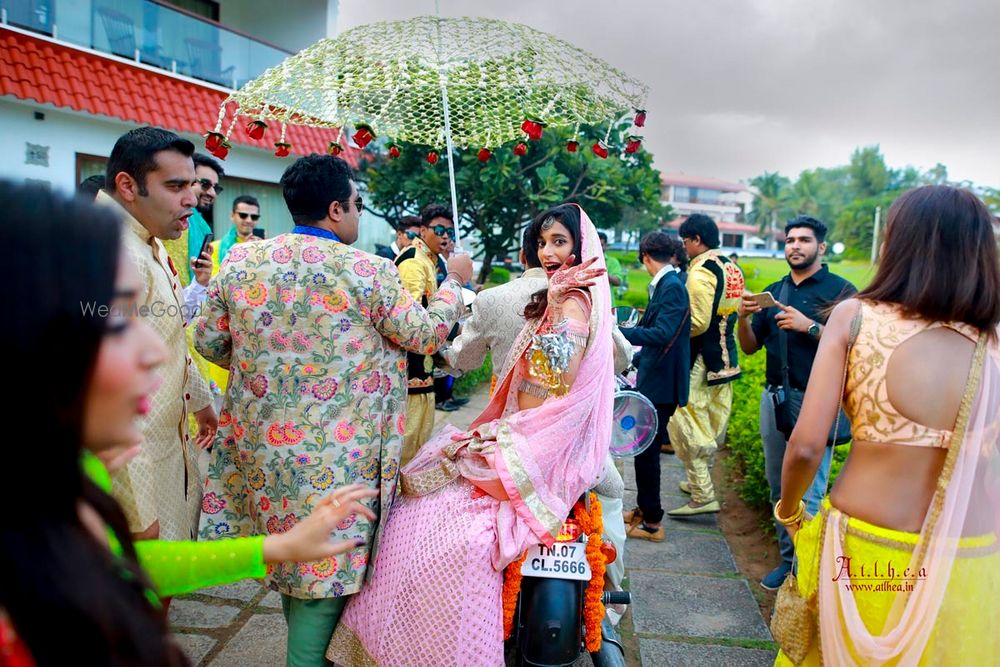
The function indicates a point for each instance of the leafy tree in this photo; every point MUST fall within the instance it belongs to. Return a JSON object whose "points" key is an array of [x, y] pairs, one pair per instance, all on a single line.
{"points": [[991, 196], [869, 175], [496, 198]]}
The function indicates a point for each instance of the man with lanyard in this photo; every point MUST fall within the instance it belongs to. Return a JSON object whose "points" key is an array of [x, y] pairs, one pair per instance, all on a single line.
{"points": [[315, 333], [418, 266], [790, 332], [715, 287]]}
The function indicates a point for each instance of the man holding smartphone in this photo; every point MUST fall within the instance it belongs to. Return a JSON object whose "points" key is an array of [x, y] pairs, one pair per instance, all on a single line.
{"points": [[803, 297]]}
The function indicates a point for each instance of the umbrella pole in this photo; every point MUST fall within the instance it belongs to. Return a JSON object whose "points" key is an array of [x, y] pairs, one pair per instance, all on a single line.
{"points": [[451, 163]]}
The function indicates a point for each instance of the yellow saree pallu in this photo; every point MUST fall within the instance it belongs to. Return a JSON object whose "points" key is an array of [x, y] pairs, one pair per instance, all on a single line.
{"points": [[966, 632]]}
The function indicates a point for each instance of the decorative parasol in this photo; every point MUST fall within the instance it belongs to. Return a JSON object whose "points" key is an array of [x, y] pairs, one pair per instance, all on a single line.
{"points": [[443, 83]]}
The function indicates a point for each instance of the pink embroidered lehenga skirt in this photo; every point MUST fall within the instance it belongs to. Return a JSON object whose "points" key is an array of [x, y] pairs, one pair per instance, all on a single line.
{"points": [[435, 597]]}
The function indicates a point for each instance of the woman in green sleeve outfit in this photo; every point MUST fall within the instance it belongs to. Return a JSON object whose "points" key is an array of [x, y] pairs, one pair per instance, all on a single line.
{"points": [[75, 589]]}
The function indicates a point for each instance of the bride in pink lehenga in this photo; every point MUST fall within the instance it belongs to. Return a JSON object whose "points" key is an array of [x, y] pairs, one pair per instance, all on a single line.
{"points": [[473, 501]]}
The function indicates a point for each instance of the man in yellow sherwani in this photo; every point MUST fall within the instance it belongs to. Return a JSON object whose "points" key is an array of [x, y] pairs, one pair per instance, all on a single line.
{"points": [[418, 265], [149, 178], [715, 287]]}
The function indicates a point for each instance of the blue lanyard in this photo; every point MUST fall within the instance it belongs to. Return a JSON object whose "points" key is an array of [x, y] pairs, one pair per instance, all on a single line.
{"points": [[316, 231]]}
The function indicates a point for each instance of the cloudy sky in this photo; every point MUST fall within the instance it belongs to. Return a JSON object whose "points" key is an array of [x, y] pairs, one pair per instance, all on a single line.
{"points": [[738, 87]]}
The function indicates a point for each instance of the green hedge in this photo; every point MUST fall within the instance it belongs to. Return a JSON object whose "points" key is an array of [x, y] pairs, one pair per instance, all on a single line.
{"points": [[466, 384], [743, 436], [499, 275]]}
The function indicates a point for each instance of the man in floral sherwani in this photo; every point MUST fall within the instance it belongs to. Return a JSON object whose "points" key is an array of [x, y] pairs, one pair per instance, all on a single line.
{"points": [[315, 334]]}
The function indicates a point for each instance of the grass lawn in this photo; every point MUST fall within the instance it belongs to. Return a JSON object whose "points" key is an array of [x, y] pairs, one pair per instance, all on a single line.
{"points": [[759, 272]]}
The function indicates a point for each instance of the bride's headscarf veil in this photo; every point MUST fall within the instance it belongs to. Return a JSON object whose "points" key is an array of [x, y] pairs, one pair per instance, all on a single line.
{"points": [[547, 456]]}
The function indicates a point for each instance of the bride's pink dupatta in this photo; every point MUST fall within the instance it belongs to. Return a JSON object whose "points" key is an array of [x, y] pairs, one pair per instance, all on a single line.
{"points": [[546, 457]]}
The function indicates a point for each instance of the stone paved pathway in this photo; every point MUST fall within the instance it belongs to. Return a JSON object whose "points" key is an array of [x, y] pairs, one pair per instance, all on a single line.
{"points": [[690, 604]]}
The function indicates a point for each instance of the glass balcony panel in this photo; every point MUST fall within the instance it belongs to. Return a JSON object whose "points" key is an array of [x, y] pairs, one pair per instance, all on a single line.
{"points": [[158, 35]]}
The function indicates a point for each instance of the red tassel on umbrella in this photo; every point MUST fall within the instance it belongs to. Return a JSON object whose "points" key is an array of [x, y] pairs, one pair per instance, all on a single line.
{"points": [[255, 129]]}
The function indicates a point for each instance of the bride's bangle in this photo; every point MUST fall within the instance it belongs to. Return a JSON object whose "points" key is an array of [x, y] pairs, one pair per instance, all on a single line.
{"points": [[796, 516]]}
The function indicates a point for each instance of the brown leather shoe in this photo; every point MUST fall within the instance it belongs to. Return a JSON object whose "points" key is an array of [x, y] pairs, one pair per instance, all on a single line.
{"points": [[632, 517], [642, 532]]}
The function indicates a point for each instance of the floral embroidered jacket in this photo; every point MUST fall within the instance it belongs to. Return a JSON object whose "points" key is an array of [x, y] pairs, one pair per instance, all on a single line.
{"points": [[315, 334]]}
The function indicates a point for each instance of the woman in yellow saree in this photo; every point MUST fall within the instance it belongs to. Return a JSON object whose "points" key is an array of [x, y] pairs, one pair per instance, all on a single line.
{"points": [[902, 563]]}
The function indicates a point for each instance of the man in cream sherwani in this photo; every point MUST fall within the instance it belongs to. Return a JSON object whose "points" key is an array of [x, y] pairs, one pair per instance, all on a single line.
{"points": [[149, 180], [497, 318]]}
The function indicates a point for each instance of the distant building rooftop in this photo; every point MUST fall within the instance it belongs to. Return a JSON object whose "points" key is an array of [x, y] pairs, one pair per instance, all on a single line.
{"points": [[686, 181]]}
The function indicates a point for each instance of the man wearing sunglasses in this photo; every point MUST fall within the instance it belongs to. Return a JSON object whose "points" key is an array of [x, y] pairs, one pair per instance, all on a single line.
{"points": [[184, 251], [244, 216], [417, 265], [407, 230]]}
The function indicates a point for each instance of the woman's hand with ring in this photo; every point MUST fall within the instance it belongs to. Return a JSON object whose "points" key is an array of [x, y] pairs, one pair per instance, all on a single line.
{"points": [[309, 539]]}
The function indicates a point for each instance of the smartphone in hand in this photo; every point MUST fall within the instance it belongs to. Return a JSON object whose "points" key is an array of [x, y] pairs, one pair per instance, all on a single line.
{"points": [[764, 299], [206, 246]]}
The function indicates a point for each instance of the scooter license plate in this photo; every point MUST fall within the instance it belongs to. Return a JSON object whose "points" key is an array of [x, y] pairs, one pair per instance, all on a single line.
{"points": [[563, 560]]}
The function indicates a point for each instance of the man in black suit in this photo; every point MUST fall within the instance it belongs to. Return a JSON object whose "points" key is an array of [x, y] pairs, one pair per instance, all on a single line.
{"points": [[664, 365]]}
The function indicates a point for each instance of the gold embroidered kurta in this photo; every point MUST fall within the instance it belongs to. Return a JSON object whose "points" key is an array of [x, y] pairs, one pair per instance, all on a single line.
{"points": [[162, 483]]}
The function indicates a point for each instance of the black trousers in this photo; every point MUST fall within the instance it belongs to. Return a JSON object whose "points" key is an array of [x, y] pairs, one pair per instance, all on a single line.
{"points": [[647, 468]]}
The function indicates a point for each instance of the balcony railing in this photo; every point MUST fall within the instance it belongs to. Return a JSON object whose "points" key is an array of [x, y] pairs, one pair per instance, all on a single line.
{"points": [[149, 33]]}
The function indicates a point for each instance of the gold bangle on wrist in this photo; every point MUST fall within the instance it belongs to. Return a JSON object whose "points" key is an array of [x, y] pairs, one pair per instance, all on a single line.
{"points": [[796, 516]]}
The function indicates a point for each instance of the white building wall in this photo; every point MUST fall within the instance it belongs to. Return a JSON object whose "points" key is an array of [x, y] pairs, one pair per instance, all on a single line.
{"points": [[66, 133]]}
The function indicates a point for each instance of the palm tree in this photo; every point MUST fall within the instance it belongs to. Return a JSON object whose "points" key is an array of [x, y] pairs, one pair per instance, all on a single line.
{"points": [[805, 197], [769, 200]]}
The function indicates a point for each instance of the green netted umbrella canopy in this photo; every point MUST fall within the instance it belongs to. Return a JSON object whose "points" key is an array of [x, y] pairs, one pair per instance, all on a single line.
{"points": [[439, 82]]}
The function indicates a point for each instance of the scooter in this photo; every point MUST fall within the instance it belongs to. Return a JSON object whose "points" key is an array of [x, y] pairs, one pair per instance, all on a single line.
{"points": [[548, 624]]}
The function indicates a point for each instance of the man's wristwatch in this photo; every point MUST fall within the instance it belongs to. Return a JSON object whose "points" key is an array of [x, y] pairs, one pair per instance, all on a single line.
{"points": [[813, 330]]}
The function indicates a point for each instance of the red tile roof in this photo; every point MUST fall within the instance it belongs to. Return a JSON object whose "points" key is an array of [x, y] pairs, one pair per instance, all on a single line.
{"points": [[36, 69]]}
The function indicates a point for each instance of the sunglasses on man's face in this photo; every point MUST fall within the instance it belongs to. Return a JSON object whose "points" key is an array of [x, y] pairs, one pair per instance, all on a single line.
{"points": [[253, 216], [443, 231], [410, 234], [359, 203], [207, 185]]}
